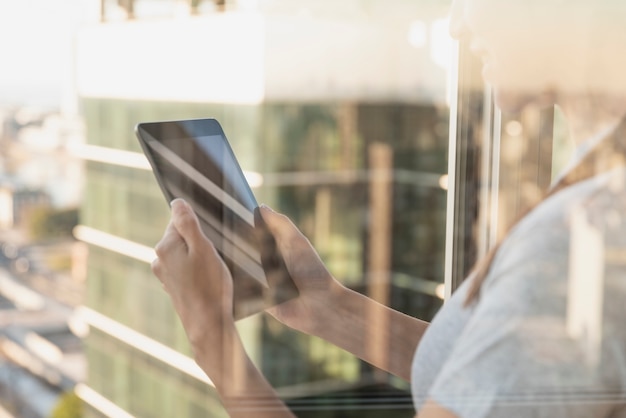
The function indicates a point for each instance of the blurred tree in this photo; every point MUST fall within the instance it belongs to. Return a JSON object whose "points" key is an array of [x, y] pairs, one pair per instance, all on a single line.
{"points": [[49, 223], [69, 406]]}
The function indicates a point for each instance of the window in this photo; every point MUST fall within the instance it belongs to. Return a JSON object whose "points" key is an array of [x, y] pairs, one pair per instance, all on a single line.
{"points": [[366, 125], [318, 127]]}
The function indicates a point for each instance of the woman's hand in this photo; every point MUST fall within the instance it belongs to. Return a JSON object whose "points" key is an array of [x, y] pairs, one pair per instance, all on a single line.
{"points": [[195, 276], [319, 291], [346, 318], [200, 286]]}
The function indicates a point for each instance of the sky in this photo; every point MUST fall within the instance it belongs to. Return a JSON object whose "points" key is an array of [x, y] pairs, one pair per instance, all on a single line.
{"points": [[35, 50]]}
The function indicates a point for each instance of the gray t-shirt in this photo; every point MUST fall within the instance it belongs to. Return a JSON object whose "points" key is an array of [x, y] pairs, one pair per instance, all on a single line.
{"points": [[547, 337]]}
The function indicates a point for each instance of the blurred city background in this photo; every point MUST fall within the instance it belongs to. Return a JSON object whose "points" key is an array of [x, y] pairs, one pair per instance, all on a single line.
{"points": [[319, 97]]}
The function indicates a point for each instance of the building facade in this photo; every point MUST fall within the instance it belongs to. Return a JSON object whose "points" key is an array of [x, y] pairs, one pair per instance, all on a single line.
{"points": [[342, 113]]}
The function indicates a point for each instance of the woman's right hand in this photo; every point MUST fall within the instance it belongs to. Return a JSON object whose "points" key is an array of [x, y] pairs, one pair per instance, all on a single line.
{"points": [[319, 291], [343, 317]]}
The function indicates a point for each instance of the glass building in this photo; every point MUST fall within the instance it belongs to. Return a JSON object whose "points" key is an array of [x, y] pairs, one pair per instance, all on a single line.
{"points": [[341, 110]]}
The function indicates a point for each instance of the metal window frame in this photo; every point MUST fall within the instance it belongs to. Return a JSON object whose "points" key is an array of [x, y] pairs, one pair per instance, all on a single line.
{"points": [[468, 160], [478, 211]]}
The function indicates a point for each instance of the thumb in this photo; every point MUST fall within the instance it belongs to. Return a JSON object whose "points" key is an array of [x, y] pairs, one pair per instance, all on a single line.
{"points": [[280, 226], [186, 222], [276, 223]]}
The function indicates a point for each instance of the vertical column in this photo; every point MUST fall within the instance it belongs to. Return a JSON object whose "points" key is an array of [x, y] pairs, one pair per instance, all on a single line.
{"points": [[103, 10], [379, 256]]}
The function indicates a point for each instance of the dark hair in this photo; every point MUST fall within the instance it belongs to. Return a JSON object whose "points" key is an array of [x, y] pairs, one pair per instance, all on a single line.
{"points": [[608, 154]]}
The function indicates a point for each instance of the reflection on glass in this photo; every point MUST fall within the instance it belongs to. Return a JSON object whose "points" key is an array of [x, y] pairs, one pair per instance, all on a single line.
{"points": [[351, 146]]}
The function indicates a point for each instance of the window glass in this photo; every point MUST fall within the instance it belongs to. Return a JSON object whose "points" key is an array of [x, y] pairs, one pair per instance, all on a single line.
{"points": [[341, 110], [409, 160]]}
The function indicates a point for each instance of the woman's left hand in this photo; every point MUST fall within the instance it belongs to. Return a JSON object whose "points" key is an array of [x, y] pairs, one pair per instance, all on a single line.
{"points": [[196, 278]]}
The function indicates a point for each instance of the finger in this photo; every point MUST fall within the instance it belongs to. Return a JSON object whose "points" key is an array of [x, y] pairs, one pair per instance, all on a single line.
{"points": [[297, 252], [290, 241], [278, 224], [186, 223], [171, 241], [156, 268]]}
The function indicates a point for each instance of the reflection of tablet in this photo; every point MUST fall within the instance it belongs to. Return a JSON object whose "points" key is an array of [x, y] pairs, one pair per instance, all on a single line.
{"points": [[193, 160]]}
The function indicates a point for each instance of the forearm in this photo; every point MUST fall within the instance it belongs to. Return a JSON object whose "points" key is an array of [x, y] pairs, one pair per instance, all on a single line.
{"points": [[244, 391], [379, 335]]}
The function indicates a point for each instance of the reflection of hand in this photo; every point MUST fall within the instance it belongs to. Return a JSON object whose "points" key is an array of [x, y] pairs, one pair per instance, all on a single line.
{"points": [[195, 276], [318, 289]]}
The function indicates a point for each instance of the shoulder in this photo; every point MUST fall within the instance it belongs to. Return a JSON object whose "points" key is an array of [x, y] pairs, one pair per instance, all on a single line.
{"points": [[542, 241], [551, 310]]}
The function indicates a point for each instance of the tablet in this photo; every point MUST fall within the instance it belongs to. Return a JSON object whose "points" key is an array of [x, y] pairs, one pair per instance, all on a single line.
{"points": [[192, 159]]}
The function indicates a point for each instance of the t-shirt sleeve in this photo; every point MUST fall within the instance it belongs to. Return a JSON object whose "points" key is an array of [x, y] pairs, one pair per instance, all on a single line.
{"points": [[531, 349]]}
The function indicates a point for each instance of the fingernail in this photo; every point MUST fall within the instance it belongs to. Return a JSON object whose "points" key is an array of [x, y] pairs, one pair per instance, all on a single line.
{"points": [[179, 202], [264, 206]]}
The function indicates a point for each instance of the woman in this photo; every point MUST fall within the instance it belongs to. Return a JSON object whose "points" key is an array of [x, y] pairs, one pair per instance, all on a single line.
{"points": [[536, 330]]}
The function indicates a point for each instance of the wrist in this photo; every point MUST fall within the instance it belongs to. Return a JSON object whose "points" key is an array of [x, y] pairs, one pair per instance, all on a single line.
{"points": [[332, 310], [241, 386], [217, 350], [204, 322]]}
